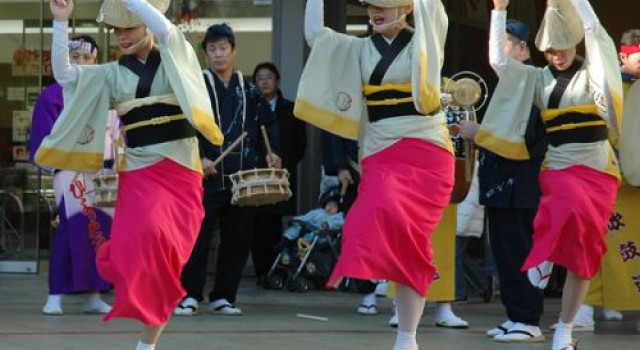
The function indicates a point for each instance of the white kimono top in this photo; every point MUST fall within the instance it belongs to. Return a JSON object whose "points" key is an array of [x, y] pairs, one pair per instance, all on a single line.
{"points": [[592, 99], [77, 139], [335, 83]]}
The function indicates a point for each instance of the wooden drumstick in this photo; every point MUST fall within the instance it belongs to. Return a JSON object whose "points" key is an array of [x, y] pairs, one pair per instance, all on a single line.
{"points": [[266, 139], [230, 148], [343, 191]]}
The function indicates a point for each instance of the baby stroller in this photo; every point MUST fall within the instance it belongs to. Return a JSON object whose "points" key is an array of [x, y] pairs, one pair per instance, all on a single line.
{"points": [[309, 260]]}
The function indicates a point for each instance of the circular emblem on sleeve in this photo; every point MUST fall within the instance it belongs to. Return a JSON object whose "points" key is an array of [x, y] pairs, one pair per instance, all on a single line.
{"points": [[86, 135], [344, 101]]}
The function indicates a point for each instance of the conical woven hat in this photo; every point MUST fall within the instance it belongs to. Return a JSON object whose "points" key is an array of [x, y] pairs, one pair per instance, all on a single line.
{"points": [[113, 13], [388, 3], [561, 27]]}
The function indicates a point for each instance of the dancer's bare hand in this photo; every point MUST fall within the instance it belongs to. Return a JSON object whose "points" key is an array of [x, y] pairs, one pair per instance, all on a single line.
{"points": [[208, 168], [500, 5], [61, 9]]}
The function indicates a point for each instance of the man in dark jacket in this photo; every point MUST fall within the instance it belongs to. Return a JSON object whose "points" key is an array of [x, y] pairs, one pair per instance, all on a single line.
{"points": [[510, 192], [293, 144], [238, 107]]}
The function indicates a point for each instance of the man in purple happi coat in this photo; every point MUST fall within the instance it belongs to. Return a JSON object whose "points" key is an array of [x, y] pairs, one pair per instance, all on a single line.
{"points": [[72, 266]]}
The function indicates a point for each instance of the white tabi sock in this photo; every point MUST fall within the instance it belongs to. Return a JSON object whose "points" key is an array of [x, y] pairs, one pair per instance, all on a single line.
{"points": [[406, 341], [54, 300], [562, 337], [143, 346], [444, 312], [95, 304], [369, 299], [53, 305]]}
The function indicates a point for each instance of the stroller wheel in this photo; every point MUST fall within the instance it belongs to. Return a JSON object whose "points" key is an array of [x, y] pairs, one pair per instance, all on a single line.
{"points": [[299, 284], [274, 282]]}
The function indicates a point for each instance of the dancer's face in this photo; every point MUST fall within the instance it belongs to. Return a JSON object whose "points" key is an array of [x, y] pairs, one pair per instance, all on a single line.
{"points": [[631, 63], [220, 55], [560, 59], [128, 37], [388, 20]]}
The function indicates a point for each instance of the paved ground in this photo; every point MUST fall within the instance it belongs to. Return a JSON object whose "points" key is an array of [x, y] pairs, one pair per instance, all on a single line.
{"points": [[269, 323]]}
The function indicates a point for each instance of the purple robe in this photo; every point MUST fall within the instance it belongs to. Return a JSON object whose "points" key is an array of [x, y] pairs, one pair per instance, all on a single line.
{"points": [[72, 266], [45, 113]]}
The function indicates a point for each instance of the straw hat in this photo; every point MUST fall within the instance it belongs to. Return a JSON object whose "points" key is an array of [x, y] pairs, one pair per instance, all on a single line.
{"points": [[113, 13], [388, 3], [561, 27]]}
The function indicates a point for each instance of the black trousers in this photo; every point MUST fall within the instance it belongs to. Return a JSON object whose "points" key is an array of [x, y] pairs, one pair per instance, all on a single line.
{"points": [[511, 237], [236, 224], [267, 232]]}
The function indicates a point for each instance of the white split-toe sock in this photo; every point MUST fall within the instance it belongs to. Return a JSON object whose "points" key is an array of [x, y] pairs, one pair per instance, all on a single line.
{"points": [[562, 337], [144, 346], [53, 305], [406, 341], [95, 305], [539, 275]]}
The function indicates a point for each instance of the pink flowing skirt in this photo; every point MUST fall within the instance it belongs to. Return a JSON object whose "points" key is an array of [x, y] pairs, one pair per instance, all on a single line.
{"points": [[401, 199], [157, 219], [571, 224]]}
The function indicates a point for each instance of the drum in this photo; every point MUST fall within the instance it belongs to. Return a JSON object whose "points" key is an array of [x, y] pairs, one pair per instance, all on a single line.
{"points": [[105, 190], [462, 95], [464, 152], [260, 186]]}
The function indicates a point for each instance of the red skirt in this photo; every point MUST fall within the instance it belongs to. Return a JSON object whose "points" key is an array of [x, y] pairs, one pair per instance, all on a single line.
{"points": [[401, 199], [572, 220], [157, 218]]}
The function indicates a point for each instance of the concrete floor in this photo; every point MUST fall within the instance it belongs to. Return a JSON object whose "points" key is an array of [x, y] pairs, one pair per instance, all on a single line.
{"points": [[269, 323]]}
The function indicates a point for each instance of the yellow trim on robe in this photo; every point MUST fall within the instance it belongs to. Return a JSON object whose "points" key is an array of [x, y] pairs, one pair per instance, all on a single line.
{"points": [[429, 96], [155, 121], [502, 147], [389, 101], [551, 114], [326, 120], [613, 167], [571, 126], [72, 159], [372, 89], [202, 122]]}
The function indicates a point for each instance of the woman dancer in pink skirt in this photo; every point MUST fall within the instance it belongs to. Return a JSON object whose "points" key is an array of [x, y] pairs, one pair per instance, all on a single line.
{"points": [[407, 161]]}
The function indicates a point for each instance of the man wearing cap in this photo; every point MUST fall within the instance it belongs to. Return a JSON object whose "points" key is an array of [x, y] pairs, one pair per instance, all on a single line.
{"points": [[72, 267], [510, 192], [239, 107], [161, 99], [581, 109]]}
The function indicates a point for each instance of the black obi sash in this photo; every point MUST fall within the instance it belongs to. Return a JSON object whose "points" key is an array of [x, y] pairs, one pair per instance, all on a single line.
{"points": [[572, 127], [152, 124], [391, 108]]}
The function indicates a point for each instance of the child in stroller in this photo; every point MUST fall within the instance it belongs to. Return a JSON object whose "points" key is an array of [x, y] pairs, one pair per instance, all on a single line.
{"points": [[308, 246]]}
